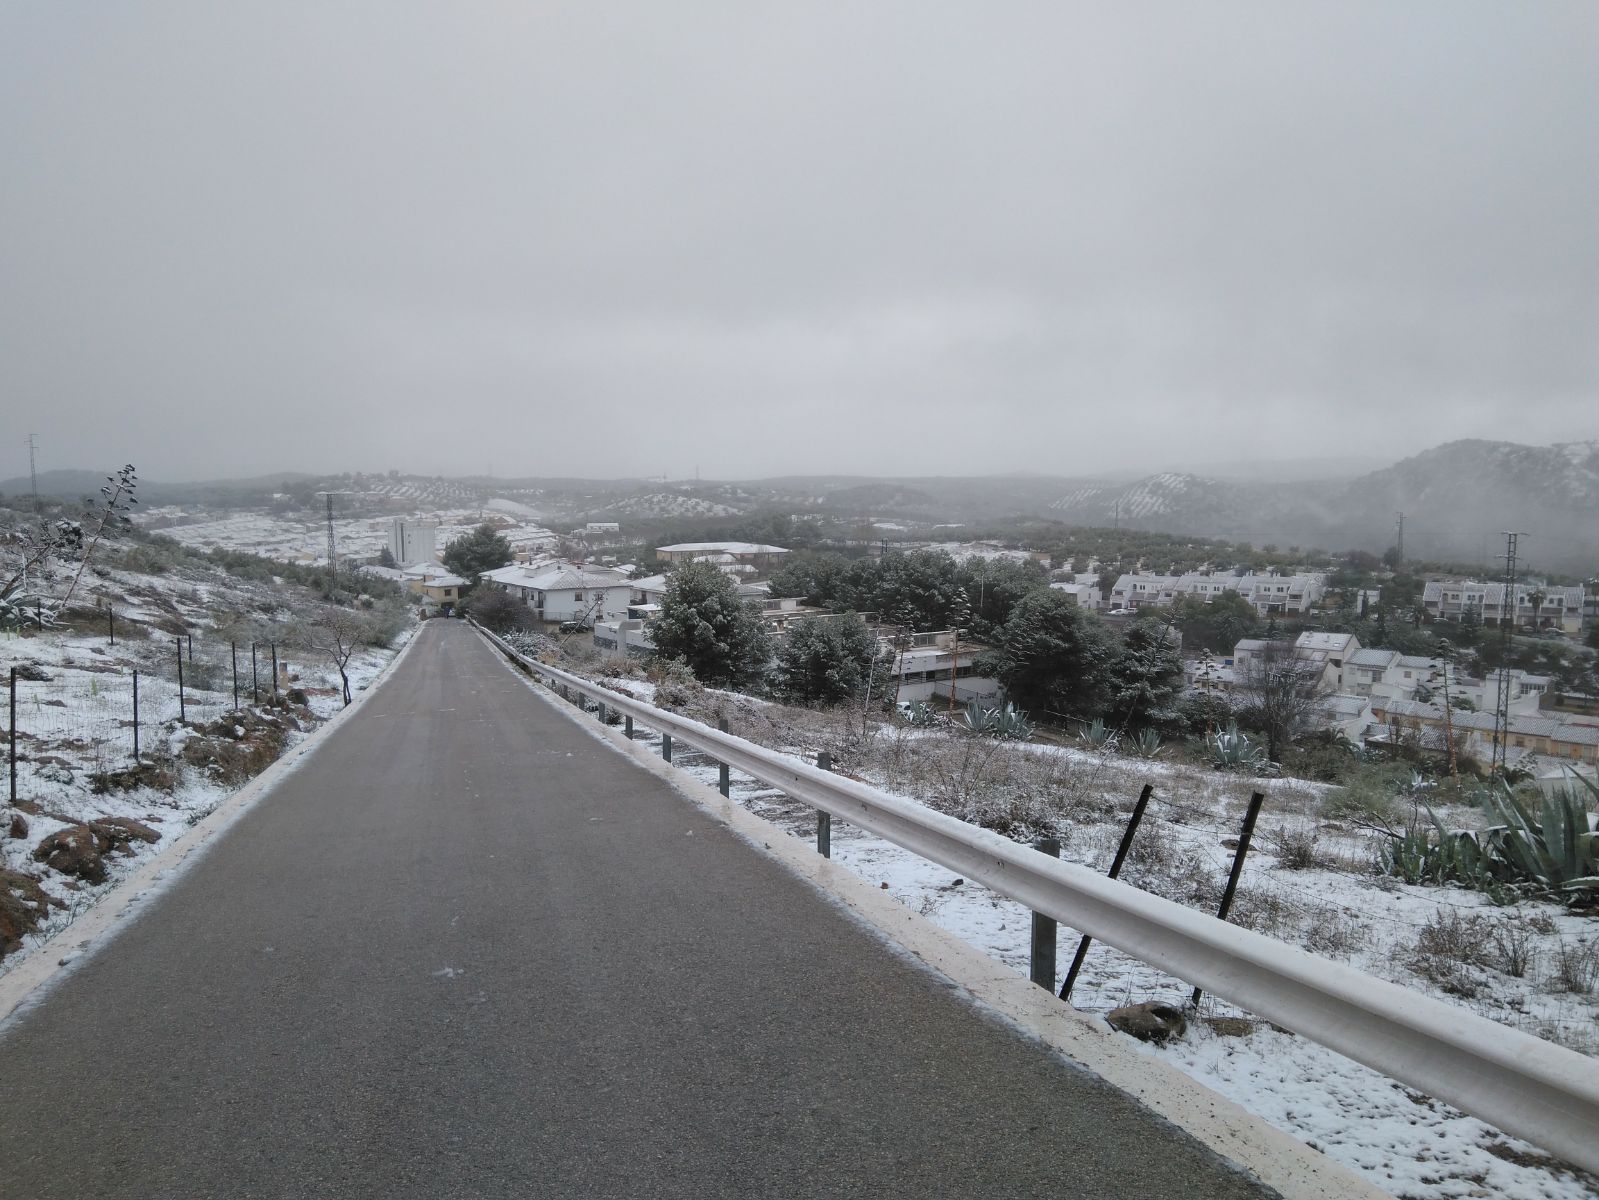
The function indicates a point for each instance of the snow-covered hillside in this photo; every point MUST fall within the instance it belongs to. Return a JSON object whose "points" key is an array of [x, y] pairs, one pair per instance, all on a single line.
{"points": [[87, 809]]}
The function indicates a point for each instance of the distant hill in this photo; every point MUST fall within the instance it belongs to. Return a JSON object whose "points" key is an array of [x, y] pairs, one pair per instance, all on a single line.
{"points": [[71, 484], [1457, 499]]}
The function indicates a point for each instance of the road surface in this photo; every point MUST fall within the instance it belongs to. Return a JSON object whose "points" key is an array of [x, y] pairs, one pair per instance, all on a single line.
{"points": [[464, 950]]}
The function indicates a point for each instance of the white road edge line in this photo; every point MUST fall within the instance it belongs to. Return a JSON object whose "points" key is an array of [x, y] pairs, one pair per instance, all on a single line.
{"points": [[1277, 1159], [68, 948]]}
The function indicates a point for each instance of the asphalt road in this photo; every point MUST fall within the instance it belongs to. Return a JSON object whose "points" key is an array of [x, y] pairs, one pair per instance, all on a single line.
{"points": [[464, 950]]}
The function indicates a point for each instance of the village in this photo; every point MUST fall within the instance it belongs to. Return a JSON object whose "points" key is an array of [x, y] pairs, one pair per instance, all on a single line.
{"points": [[1365, 694]]}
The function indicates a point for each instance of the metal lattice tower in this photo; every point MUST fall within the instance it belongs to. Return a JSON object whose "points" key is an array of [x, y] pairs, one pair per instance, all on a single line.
{"points": [[333, 545], [33, 469], [1507, 628]]}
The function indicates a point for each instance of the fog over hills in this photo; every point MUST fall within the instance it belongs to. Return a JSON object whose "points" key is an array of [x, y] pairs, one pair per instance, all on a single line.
{"points": [[1457, 499]]}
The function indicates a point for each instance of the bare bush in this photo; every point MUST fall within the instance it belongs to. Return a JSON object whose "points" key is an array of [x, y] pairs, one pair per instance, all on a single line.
{"points": [[1296, 849], [1576, 966], [1447, 949], [1331, 933], [1512, 946]]}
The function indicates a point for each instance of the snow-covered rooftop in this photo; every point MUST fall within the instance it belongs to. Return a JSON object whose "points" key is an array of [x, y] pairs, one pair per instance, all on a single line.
{"points": [[721, 548]]}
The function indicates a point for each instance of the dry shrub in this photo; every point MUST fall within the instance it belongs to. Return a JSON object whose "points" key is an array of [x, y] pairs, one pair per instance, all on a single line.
{"points": [[1296, 849], [1576, 966], [1331, 933], [1512, 947], [1449, 947]]}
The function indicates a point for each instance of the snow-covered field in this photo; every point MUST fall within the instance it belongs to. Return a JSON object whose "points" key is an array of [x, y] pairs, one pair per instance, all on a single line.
{"points": [[302, 539], [1402, 1141]]}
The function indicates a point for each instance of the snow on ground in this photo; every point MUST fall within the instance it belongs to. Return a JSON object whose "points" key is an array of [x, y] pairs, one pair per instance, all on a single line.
{"points": [[74, 720], [302, 538], [1402, 1141]]}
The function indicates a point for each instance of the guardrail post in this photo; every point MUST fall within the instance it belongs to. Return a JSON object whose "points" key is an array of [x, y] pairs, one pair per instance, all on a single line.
{"points": [[723, 783], [13, 736], [1115, 870], [627, 726], [666, 746], [1042, 959], [824, 820], [1245, 833]]}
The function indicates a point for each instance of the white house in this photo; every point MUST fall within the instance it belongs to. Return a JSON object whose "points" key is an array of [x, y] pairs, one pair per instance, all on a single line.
{"points": [[1389, 675], [1323, 654], [922, 670], [1084, 595], [1526, 691], [561, 592]]}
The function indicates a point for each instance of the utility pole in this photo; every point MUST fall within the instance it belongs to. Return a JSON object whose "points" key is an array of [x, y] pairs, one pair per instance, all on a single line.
{"points": [[1507, 627], [1400, 546]]}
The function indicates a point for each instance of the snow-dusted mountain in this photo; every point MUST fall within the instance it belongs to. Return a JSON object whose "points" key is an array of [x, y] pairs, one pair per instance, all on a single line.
{"points": [[1457, 499]]}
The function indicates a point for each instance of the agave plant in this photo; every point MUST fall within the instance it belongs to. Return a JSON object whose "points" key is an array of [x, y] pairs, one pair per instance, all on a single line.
{"points": [[1012, 724], [920, 713], [1095, 735], [1004, 722], [1552, 846], [1232, 750], [1548, 849], [1438, 855], [979, 717], [1147, 743]]}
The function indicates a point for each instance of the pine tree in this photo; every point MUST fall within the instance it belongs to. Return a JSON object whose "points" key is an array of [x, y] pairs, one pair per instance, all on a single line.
{"points": [[824, 661], [481, 550], [705, 624], [1055, 659]]}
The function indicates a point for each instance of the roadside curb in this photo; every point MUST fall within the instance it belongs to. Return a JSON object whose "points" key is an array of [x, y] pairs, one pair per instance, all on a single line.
{"points": [[72, 945], [1275, 1158]]}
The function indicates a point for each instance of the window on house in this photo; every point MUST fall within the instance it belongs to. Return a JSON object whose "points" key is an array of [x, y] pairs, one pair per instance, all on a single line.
{"points": [[577, 595]]}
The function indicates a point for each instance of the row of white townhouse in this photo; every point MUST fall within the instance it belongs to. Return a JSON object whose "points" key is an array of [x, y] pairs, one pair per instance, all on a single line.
{"points": [[1533, 605], [1270, 594]]}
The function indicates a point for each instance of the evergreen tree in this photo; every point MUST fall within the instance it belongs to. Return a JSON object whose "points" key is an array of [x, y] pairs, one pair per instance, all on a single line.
{"points": [[825, 661], [704, 623], [1217, 625], [1148, 677], [1055, 659], [481, 550], [925, 583], [994, 587]]}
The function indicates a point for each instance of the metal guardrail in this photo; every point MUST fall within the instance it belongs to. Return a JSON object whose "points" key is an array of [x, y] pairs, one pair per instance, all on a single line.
{"points": [[1544, 1093]]}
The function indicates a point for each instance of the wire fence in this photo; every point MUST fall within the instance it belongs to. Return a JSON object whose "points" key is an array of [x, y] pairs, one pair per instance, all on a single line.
{"points": [[106, 717]]}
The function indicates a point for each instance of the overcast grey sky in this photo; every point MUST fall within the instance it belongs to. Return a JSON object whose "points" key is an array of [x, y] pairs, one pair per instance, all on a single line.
{"points": [[754, 238]]}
